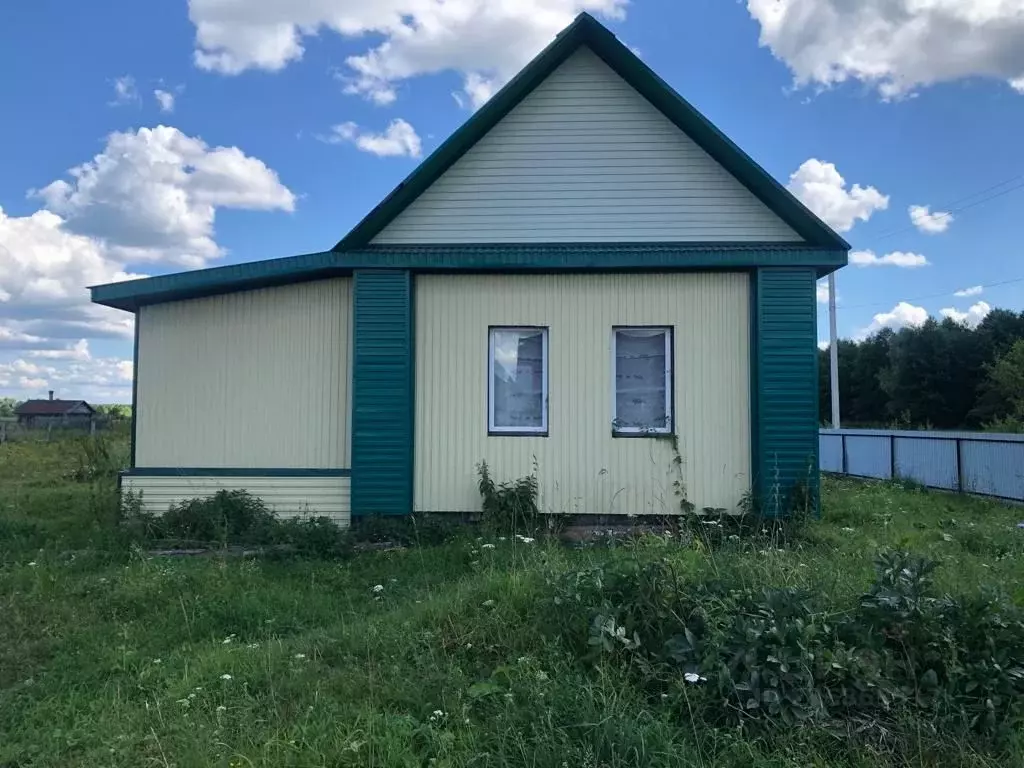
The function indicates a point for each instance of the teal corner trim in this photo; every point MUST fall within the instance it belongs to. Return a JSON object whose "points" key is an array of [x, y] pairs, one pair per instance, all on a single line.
{"points": [[786, 421], [587, 31], [382, 393], [580, 257], [235, 472], [135, 391]]}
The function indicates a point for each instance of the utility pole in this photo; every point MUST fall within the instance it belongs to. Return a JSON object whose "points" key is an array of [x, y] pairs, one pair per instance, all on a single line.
{"points": [[833, 350]]}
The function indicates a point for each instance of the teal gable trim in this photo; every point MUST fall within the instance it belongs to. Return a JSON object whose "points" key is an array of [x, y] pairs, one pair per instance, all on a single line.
{"points": [[785, 424], [234, 472], [590, 257], [587, 31], [382, 393]]}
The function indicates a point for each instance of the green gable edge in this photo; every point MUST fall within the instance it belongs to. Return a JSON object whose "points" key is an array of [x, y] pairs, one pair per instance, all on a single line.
{"points": [[584, 257], [587, 31]]}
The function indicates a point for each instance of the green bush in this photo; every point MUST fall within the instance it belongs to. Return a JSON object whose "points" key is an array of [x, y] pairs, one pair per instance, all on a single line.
{"points": [[234, 517], [510, 507], [772, 659]]}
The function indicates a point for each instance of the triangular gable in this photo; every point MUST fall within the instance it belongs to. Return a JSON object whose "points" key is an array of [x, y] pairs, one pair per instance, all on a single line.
{"points": [[719, 193]]}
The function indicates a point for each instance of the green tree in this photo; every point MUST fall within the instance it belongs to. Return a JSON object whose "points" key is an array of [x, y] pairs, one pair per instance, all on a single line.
{"points": [[1005, 383], [7, 406]]}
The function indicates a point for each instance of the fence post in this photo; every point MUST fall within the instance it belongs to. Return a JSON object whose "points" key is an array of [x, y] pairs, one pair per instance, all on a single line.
{"points": [[892, 457], [959, 466], [846, 460]]}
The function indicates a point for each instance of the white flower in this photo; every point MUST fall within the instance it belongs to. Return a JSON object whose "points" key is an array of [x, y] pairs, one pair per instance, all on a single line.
{"points": [[733, 537], [525, 539], [693, 677], [393, 581], [253, 646], [469, 646], [488, 603], [486, 546], [222, 708], [946, 537], [379, 588], [664, 696], [438, 714], [225, 676], [847, 530], [158, 661], [183, 702], [300, 655], [191, 695], [32, 564], [227, 640], [501, 538], [199, 687]]}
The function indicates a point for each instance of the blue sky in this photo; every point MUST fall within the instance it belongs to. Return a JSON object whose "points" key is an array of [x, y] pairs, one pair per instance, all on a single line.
{"points": [[280, 131]]}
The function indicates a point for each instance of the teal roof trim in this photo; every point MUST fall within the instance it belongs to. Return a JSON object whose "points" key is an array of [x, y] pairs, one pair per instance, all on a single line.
{"points": [[587, 31], [132, 294]]}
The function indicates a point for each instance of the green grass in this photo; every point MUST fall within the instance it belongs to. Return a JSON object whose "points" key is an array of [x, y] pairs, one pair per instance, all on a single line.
{"points": [[111, 658]]}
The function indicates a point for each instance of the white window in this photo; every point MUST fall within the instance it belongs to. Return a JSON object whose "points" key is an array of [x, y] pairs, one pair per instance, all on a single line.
{"points": [[517, 392], [642, 397]]}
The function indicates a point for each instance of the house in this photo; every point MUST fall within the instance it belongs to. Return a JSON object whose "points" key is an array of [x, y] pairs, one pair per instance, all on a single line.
{"points": [[55, 413], [587, 280]]}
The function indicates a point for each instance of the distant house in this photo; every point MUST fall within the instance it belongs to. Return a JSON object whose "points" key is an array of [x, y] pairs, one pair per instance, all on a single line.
{"points": [[54, 413], [588, 281]]}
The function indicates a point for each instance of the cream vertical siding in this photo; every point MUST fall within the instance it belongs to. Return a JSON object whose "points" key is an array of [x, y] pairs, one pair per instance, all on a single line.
{"points": [[582, 468], [258, 379], [586, 158], [286, 496]]}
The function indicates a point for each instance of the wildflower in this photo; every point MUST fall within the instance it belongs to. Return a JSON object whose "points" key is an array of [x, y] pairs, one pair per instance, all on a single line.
{"points": [[32, 564], [712, 522], [664, 696], [222, 708], [253, 646], [438, 714], [502, 538], [378, 588], [733, 537], [847, 530], [693, 677], [225, 676], [525, 539], [199, 687], [158, 661], [300, 655], [469, 646], [393, 580], [183, 702], [228, 639], [542, 675], [486, 546], [488, 603], [508, 696], [191, 696], [946, 537]]}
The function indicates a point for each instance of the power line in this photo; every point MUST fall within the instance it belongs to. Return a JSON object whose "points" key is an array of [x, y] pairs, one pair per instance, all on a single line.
{"points": [[931, 295], [962, 208]]}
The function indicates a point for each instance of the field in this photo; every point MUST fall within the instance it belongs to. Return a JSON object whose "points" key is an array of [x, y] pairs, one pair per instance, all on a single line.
{"points": [[481, 651]]}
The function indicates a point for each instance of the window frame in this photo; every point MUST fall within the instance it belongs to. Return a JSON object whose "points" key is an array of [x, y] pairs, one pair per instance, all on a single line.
{"points": [[670, 372], [492, 429]]}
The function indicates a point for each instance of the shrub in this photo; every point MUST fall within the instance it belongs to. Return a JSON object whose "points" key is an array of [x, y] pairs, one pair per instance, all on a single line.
{"points": [[511, 506], [226, 517]]}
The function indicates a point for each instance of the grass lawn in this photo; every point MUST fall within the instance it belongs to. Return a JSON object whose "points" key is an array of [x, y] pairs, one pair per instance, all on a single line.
{"points": [[455, 655]]}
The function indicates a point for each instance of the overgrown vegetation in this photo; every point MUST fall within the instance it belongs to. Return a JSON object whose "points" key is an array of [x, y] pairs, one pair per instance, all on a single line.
{"points": [[942, 375], [886, 634]]}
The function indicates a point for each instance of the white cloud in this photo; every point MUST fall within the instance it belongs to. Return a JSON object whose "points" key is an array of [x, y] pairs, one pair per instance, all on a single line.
{"points": [[928, 222], [165, 99], [398, 140], [125, 91], [894, 259], [77, 351], [895, 46], [152, 195], [77, 374], [975, 290], [486, 41], [903, 315], [823, 344], [971, 318], [820, 187], [821, 292]]}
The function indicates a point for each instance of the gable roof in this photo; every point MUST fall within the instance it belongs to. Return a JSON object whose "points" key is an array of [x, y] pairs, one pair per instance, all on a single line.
{"points": [[49, 407], [587, 31]]}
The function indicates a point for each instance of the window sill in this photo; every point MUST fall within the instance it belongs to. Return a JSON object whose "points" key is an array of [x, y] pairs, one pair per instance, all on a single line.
{"points": [[643, 435], [516, 434]]}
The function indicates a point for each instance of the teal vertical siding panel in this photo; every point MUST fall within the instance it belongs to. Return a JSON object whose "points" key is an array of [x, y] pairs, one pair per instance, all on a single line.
{"points": [[786, 422], [382, 393]]}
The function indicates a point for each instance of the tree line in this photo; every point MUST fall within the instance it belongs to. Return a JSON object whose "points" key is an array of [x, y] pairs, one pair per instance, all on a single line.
{"points": [[942, 375]]}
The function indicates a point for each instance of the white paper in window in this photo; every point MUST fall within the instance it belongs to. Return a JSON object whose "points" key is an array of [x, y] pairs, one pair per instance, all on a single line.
{"points": [[640, 379], [518, 385]]}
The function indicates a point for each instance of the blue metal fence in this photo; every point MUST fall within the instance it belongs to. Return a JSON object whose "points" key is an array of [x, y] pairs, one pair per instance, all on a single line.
{"points": [[969, 462]]}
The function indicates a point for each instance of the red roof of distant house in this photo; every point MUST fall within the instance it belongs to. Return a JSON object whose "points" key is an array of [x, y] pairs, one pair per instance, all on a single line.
{"points": [[49, 407]]}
